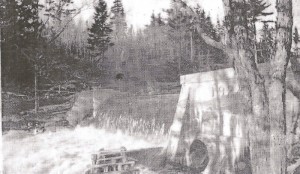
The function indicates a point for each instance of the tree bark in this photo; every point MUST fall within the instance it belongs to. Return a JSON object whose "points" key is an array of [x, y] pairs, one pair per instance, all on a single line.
{"points": [[252, 86], [259, 129], [292, 84], [36, 97], [277, 89], [256, 111]]}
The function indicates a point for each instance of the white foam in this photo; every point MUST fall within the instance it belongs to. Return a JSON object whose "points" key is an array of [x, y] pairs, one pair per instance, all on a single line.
{"points": [[66, 151]]}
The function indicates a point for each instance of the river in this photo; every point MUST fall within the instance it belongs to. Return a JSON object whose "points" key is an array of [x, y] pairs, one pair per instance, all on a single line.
{"points": [[65, 151]]}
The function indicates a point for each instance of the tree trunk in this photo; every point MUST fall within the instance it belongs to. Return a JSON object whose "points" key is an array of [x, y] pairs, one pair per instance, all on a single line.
{"points": [[256, 111], [192, 51], [252, 86], [259, 130], [36, 97], [277, 90]]}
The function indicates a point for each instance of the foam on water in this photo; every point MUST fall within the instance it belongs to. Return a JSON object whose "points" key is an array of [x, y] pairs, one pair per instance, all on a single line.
{"points": [[66, 151]]}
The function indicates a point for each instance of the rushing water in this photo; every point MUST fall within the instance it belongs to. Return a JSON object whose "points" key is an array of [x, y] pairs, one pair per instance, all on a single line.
{"points": [[62, 152]]}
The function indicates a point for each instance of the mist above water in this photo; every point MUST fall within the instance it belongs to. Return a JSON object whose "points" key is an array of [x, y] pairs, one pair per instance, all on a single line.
{"points": [[66, 151]]}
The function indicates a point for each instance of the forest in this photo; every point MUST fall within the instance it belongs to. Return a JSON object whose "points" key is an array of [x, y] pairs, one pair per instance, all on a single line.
{"points": [[46, 48], [44, 43]]}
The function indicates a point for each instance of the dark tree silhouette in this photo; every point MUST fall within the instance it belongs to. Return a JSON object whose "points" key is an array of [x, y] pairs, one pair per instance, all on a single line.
{"points": [[99, 33], [296, 36]]}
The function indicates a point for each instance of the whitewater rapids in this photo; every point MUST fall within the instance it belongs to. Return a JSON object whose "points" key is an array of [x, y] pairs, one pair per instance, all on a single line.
{"points": [[62, 152]]}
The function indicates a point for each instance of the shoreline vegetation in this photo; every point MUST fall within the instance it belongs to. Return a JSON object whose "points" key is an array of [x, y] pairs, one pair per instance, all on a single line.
{"points": [[119, 111]]}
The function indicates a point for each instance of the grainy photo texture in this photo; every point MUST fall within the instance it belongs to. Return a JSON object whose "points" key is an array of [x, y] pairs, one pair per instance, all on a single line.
{"points": [[150, 86]]}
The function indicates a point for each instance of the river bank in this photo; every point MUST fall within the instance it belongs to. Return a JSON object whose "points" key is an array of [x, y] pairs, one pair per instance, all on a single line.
{"points": [[18, 113]]}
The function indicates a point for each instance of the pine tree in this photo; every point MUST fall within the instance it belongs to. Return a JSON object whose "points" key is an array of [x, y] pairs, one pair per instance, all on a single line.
{"points": [[159, 20], [25, 40], [266, 44], [153, 20], [178, 31], [23, 33], [117, 8], [99, 34], [118, 20], [156, 21], [28, 23], [8, 16], [118, 35], [3, 13]]}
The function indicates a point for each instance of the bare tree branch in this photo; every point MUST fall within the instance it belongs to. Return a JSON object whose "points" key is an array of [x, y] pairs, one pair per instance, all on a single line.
{"points": [[63, 28]]}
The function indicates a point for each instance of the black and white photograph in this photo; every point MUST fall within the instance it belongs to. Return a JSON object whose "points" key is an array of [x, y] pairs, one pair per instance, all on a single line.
{"points": [[150, 86]]}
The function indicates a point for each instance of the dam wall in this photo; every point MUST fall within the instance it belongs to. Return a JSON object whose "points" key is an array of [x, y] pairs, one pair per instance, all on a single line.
{"points": [[210, 109]]}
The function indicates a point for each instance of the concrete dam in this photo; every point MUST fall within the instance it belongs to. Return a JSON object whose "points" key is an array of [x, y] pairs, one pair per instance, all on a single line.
{"points": [[208, 109]]}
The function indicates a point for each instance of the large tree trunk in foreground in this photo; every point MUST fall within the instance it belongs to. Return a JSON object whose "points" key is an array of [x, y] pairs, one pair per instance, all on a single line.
{"points": [[265, 156], [252, 85], [277, 90], [254, 88]]}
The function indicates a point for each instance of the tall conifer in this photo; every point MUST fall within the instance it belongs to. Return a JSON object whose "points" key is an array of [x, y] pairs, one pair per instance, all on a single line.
{"points": [[99, 39], [118, 20]]}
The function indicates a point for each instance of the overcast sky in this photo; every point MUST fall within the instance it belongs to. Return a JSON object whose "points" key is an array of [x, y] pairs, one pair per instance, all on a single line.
{"points": [[138, 12]]}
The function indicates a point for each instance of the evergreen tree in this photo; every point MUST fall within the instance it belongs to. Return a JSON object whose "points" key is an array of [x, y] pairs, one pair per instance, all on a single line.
{"points": [[153, 20], [156, 21], [118, 35], [28, 24], [99, 34], [160, 22], [3, 13], [22, 35], [118, 20], [206, 24], [117, 9], [182, 33], [266, 44], [8, 17], [178, 31]]}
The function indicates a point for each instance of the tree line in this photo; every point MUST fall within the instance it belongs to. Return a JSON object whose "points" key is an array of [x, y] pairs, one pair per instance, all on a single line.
{"points": [[43, 42], [37, 50], [33, 50]]}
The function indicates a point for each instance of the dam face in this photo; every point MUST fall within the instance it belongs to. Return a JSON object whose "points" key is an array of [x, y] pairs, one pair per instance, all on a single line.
{"points": [[210, 109]]}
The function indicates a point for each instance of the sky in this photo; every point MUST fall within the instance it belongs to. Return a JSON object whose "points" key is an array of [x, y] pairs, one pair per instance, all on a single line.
{"points": [[138, 12]]}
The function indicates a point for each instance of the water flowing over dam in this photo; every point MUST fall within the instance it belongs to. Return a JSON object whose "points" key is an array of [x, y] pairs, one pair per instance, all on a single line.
{"points": [[208, 109], [144, 115], [66, 151], [69, 150]]}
